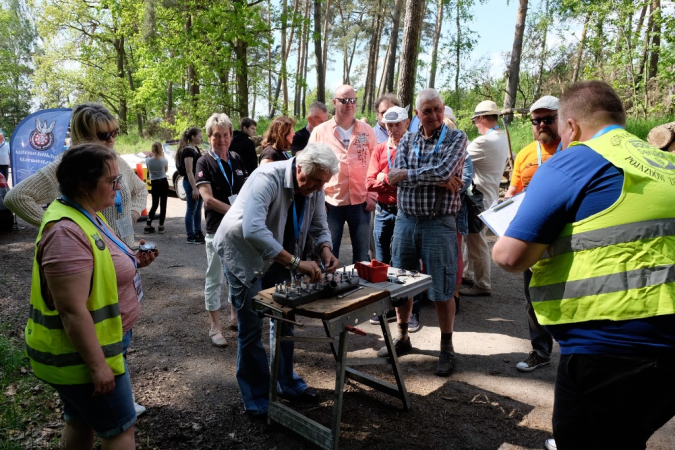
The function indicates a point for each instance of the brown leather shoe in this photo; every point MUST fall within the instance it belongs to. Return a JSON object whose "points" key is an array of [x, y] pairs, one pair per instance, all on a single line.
{"points": [[475, 292]]}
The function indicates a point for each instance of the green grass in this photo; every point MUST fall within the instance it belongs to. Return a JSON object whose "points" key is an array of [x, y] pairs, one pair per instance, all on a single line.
{"points": [[27, 403], [641, 127]]}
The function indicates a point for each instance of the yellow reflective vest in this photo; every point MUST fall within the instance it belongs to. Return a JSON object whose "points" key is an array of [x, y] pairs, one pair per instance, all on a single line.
{"points": [[618, 264], [52, 355]]}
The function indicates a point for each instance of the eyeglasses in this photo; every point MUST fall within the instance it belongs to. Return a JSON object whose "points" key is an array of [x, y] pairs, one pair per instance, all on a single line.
{"points": [[474, 119], [344, 101], [107, 135], [548, 120], [115, 181]]}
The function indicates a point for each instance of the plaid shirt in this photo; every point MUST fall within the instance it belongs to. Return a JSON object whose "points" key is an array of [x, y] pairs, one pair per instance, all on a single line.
{"points": [[417, 195]]}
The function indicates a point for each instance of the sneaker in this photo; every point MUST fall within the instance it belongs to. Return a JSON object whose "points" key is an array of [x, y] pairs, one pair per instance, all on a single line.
{"points": [[549, 444], [475, 292], [149, 229], [391, 317], [160, 229], [446, 364], [139, 409], [532, 362], [192, 240], [199, 237], [467, 282], [414, 323], [401, 348]]}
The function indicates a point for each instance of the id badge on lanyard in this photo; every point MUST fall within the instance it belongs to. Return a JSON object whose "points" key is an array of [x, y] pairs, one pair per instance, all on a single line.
{"points": [[138, 286]]}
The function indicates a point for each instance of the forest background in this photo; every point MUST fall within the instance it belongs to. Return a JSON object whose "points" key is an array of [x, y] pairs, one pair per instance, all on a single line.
{"points": [[163, 65]]}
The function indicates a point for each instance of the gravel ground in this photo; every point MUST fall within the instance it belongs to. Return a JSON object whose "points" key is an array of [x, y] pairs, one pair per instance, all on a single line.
{"points": [[193, 400]]}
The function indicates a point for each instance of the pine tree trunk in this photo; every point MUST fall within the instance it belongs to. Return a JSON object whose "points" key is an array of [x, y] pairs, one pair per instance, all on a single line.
{"points": [[391, 63], [542, 56], [514, 66], [580, 52], [437, 38], [318, 53], [414, 17]]}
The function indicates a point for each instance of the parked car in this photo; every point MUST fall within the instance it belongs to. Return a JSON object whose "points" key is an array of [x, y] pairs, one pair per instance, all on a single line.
{"points": [[6, 216], [175, 179]]}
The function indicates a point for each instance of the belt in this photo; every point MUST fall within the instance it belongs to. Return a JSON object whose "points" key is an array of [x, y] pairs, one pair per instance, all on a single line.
{"points": [[390, 208]]}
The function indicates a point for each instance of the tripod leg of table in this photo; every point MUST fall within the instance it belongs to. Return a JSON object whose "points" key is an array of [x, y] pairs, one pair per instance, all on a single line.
{"points": [[274, 370], [386, 333]]}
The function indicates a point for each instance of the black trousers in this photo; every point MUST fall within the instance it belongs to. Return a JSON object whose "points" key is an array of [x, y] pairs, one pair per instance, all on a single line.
{"points": [[610, 401], [160, 192]]}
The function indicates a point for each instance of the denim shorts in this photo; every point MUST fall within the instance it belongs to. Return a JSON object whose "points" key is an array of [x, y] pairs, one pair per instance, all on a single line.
{"points": [[108, 415], [432, 240]]}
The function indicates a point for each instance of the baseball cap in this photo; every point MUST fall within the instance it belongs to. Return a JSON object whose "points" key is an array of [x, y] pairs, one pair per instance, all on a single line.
{"points": [[449, 113], [546, 102], [395, 114], [486, 108]]}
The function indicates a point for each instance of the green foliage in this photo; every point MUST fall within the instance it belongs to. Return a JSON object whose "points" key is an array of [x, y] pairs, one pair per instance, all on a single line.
{"points": [[17, 37]]}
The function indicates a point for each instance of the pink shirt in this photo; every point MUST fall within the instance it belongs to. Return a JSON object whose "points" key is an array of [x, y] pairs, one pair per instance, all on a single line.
{"points": [[348, 187], [65, 250], [386, 193]]}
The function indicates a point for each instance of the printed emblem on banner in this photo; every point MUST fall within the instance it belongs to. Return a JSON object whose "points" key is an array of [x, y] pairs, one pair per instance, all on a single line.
{"points": [[42, 138], [98, 241]]}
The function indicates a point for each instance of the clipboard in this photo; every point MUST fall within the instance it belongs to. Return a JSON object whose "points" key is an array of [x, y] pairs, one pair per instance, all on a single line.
{"points": [[500, 216]]}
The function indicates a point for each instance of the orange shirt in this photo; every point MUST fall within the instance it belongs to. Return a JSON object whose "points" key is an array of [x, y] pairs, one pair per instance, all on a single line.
{"points": [[348, 187], [527, 163]]}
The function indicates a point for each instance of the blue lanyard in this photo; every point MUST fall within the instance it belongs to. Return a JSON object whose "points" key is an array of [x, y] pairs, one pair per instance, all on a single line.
{"points": [[606, 130], [297, 224], [118, 202], [496, 127], [389, 156], [438, 144], [222, 169], [287, 155], [102, 228], [539, 151]]}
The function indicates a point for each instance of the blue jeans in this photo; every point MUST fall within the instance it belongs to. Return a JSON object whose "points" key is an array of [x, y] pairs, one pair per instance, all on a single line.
{"points": [[253, 373], [383, 232], [193, 213], [358, 220]]}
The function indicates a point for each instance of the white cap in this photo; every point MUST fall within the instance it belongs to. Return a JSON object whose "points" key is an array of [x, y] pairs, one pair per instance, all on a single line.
{"points": [[486, 108], [449, 113], [395, 114], [546, 102]]}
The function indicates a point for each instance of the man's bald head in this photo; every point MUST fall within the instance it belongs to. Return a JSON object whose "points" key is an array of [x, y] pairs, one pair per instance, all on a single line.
{"points": [[592, 103]]}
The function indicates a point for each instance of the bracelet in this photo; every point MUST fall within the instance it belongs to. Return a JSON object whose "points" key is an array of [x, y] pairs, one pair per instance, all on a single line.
{"points": [[296, 263]]}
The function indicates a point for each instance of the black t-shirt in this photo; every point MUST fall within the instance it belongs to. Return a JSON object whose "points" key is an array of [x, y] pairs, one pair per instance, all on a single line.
{"points": [[189, 152], [208, 171], [270, 152], [300, 140], [243, 146]]}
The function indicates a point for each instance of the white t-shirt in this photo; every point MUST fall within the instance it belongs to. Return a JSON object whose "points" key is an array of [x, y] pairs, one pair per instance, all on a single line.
{"points": [[4, 154], [346, 135]]}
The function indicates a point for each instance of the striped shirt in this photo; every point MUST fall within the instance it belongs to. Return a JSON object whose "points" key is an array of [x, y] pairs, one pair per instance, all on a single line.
{"points": [[427, 166]]}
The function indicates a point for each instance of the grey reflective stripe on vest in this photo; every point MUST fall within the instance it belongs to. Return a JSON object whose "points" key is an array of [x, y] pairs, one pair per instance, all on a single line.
{"points": [[54, 322], [618, 234], [616, 282], [69, 359]]}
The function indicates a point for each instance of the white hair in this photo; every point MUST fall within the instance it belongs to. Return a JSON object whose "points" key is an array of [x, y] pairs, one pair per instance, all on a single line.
{"points": [[318, 157], [315, 107], [218, 120], [426, 95]]}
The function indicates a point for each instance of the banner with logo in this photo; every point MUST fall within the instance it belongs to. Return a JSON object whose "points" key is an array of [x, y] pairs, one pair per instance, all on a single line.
{"points": [[37, 141]]}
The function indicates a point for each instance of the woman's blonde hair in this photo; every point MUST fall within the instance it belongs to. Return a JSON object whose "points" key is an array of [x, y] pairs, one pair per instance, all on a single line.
{"points": [[87, 120], [157, 149]]}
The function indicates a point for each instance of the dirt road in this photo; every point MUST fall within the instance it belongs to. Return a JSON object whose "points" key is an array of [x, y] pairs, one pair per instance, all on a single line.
{"points": [[192, 397]]}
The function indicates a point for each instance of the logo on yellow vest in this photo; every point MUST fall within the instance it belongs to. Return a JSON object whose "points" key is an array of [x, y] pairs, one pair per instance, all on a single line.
{"points": [[650, 160]]}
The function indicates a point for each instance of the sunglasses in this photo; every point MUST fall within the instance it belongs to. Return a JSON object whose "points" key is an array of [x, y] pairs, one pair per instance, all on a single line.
{"points": [[107, 135], [344, 101], [547, 120]]}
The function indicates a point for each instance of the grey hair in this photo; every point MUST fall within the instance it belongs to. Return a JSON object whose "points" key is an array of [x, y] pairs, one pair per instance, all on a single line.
{"points": [[426, 95], [316, 107], [218, 120], [318, 157]]}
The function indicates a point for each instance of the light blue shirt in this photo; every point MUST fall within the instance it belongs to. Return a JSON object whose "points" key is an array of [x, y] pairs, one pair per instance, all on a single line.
{"points": [[380, 133], [252, 231], [156, 168]]}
